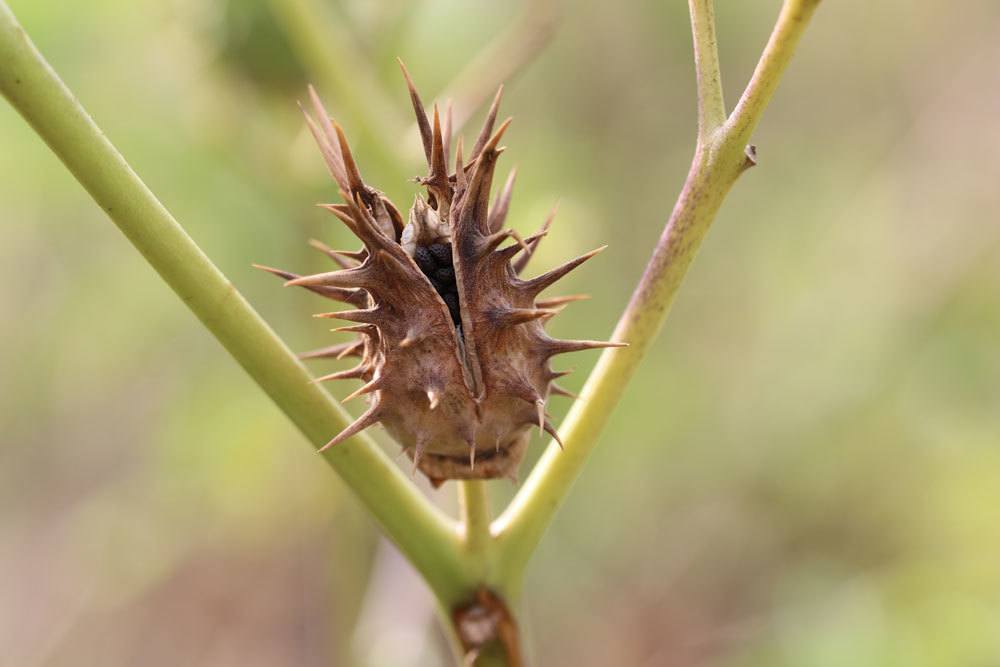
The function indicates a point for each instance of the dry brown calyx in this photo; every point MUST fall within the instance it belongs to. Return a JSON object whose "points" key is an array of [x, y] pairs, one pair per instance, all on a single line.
{"points": [[453, 353]]}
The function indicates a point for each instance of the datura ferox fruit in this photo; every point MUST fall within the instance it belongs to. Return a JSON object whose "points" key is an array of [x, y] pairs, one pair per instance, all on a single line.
{"points": [[454, 356]]}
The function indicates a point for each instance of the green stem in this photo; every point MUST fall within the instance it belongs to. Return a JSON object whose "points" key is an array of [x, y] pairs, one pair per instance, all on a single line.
{"points": [[424, 534], [711, 107], [788, 29], [719, 160], [479, 552], [474, 504]]}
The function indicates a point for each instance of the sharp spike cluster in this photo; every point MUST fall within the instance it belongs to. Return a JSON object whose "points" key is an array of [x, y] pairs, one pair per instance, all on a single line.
{"points": [[454, 358]]}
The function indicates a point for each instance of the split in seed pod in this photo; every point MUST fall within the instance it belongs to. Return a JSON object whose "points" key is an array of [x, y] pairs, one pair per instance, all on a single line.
{"points": [[453, 352]]}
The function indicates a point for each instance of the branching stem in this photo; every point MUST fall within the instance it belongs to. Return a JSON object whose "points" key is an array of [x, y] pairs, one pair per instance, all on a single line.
{"points": [[719, 159]]}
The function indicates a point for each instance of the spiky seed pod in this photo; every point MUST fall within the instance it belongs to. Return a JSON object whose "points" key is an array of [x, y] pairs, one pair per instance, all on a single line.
{"points": [[454, 356]]}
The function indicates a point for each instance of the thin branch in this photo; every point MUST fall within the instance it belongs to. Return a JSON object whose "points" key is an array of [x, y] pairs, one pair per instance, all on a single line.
{"points": [[424, 534], [711, 107], [717, 164], [788, 29]]}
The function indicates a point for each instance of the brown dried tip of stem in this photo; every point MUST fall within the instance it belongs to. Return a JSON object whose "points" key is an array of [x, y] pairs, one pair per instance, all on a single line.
{"points": [[418, 111]]}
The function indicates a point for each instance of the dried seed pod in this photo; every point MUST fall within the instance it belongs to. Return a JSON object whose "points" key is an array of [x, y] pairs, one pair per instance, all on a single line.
{"points": [[454, 357]]}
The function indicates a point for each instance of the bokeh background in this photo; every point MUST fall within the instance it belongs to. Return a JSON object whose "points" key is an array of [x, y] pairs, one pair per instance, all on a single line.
{"points": [[805, 471]]}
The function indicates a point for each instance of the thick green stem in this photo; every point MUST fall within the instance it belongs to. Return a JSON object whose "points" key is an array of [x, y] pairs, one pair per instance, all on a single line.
{"points": [[475, 512], [719, 160], [427, 537]]}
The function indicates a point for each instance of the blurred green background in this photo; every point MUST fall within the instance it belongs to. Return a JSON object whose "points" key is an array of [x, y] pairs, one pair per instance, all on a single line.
{"points": [[805, 472]]}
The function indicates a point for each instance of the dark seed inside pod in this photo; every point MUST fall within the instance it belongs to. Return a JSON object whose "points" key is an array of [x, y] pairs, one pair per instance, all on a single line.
{"points": [[451, 300], [441, 253], [425, 260], [436, 263]]}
